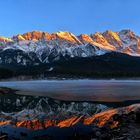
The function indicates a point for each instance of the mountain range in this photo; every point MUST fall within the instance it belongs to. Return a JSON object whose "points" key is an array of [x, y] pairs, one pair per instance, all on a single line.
{"points": [[46, 52]]}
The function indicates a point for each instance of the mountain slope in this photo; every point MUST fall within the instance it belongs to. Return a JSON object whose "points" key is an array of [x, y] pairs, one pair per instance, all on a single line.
{"points": [[44, 45], [65, 53]]}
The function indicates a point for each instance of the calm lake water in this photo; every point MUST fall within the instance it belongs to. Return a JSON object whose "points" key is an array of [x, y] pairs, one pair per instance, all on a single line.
{"points": [[79, 90]]}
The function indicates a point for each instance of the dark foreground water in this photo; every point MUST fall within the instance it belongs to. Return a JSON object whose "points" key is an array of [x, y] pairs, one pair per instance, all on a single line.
{"points": [[79, 90]]}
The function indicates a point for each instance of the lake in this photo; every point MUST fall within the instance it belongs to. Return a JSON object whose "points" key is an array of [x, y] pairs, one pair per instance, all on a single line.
{"points": [[79, 90]]}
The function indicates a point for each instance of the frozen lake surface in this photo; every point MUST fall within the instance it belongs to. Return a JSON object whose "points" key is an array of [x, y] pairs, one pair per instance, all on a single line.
{"points": [[79, 90]]}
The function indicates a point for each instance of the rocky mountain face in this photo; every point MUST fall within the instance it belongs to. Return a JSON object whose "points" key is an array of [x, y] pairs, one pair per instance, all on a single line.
{"points": [[36, 47]]}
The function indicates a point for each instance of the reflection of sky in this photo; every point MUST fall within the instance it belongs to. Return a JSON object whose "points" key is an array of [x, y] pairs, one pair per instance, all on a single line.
{"points": [[105, 90], [77, 16]]}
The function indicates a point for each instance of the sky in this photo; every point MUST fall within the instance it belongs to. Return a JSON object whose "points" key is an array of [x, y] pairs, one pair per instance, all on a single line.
{"points": [[76, 16]]}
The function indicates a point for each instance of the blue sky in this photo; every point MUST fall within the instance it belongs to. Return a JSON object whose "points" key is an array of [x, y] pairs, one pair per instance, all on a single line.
{"points": [[77, 16]]}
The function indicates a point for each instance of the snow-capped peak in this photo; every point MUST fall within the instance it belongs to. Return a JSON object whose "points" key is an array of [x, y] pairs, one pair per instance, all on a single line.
{"points": [[41, 47]]}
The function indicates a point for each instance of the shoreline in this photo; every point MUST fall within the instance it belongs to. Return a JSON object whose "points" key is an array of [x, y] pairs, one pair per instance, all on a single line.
{"points": [[30, 78]]}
